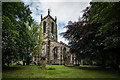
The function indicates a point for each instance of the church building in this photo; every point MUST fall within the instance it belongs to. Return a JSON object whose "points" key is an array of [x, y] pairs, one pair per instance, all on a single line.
{"points": [[54, 52]]}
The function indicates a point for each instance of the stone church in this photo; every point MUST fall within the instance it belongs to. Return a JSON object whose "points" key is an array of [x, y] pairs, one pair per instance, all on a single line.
{"points": [[54, 52]]}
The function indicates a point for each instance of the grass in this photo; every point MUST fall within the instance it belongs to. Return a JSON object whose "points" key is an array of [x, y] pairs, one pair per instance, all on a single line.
{"points": [[32, 71]]}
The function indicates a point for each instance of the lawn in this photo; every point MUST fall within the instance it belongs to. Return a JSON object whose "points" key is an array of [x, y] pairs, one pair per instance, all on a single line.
{"points": [[32, 71]]}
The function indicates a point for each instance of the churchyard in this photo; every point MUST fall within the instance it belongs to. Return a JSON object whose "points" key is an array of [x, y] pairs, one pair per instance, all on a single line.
{"points": [[61, 71]]}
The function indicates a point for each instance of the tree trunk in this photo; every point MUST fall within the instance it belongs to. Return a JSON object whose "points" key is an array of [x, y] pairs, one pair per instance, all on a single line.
{"points": [[103, 61], [8, 64], [78, 61], [117, 62], [23, 63], [3, 63], [28, 61]]}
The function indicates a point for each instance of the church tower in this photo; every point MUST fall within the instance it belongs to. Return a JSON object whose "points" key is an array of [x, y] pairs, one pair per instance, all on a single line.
{"points": [[49, 30], [49, 27]]}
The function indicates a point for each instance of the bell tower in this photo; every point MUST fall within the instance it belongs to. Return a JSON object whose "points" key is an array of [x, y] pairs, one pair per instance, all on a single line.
{"points": [[49, 30], [49, 27]]}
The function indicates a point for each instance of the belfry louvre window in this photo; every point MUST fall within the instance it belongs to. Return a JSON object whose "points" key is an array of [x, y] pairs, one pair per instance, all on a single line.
{"points": [[52, 28], [44, 27]]}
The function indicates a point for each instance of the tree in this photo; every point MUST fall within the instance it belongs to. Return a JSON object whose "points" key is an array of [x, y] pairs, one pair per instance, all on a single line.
{"points": [[107, 14], [35, 46], [96, 35], [9, 47], [14, 32], [82, 37], [83, 40], [109, 28]]}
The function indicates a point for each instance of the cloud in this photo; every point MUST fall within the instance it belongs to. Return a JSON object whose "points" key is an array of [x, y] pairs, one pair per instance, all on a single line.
{"points": [[57, 0], [60, 27], [65, 11], [60, 38]]}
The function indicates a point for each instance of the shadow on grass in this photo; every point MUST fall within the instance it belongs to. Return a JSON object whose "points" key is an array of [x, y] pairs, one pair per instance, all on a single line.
{"points": [[100, 68], [47, 68], [97, 68], [5, 69]]}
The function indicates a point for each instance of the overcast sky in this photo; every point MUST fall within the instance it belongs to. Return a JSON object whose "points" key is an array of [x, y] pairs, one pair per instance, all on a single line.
{"points": [[64, 10]]}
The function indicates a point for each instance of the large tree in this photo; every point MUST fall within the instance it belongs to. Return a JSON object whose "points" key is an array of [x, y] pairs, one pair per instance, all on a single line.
{"points": [[82, 39], [18, 41], [107, 14], [97, 35], [14, 14], [35, 45]]}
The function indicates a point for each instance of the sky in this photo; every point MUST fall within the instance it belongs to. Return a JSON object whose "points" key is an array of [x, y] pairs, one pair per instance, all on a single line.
{"points": [[64, 10]]}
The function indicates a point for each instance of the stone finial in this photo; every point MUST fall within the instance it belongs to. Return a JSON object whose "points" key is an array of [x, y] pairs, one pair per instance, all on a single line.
{"points": [[48, 11], [41, 16], [55, 19]]}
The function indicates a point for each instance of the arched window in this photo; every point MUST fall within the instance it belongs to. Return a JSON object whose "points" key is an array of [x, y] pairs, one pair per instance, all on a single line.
{"points": [[55, 53], [44, 27], [64, 54], [64, 50], [52, 28]]}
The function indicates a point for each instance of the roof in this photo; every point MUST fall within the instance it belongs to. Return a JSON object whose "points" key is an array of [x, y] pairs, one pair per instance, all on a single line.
{"points": [[48, 16]]}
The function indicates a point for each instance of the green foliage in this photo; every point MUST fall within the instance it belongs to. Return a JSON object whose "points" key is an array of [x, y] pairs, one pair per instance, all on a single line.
{"points": [[19, 40], [36, 38], [97, 34], [108, 15], [9, 34]]}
